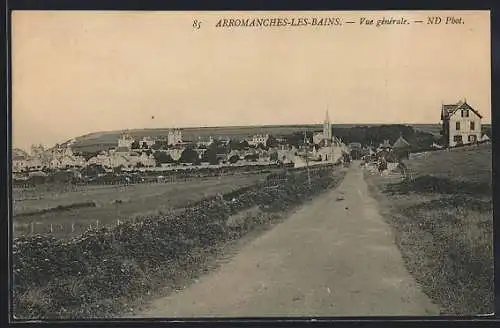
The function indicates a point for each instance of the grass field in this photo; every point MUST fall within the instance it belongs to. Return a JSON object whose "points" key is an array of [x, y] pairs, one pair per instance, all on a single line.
{"points": [[457, 164], [443, 221], [112, 202]]}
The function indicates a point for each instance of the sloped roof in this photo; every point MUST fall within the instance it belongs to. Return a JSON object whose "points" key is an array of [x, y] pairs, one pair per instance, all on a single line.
{"points": [[449, 109], [401, 143]]}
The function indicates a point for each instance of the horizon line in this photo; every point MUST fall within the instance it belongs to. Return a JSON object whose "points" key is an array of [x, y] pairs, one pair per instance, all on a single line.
{"points": [[266, 125]]}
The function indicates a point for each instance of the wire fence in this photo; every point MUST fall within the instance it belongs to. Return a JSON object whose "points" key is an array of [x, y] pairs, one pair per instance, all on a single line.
{"points": [[145, 179]]}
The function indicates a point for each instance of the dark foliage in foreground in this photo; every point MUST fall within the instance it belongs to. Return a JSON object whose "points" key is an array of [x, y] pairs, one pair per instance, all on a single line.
{"points": [[453, 260], [90, 275]]}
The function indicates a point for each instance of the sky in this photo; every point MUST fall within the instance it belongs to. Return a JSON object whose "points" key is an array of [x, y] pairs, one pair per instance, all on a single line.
{"points": [[75, 73]]}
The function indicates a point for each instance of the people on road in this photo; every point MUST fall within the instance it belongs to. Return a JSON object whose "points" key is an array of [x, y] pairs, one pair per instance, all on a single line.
{"points": [[382, 164]]}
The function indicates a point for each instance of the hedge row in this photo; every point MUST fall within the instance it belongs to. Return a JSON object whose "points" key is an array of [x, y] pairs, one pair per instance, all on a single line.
{"points": [[81, 277]]}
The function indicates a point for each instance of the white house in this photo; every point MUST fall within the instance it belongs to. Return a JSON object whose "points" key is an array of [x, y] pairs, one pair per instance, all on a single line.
{"points": [[461, 124], [318, 137], [102, 159], [175, 153], [120, 160], [125, 141], [20, 160], [148, 141], [258, 139], [174, 137], [62, 157], [204, 141]]}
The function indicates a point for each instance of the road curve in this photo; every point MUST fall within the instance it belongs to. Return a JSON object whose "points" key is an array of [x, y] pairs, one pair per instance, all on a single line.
{"points": [[334, 257]]}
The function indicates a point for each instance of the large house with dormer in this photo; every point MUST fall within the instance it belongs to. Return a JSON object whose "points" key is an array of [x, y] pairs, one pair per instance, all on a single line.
{"points": [[461, 124]]}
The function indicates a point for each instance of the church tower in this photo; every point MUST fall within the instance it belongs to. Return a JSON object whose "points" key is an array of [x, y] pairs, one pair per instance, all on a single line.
{"points": [[327, 128]]}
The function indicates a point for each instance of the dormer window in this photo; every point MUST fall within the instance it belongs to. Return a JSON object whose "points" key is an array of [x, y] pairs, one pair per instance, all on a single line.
{"points": [[465, 113]]}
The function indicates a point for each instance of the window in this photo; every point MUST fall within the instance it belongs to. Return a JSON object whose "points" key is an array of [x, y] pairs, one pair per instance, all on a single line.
{"points": [[472, 126], [472, 138], [457, 139], [457, 126], [465, 113]]}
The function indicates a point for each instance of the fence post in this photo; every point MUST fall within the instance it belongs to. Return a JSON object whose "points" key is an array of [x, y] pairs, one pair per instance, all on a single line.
{"points": [[32, 227], [97, 224], [72, 226], [51, 229]]}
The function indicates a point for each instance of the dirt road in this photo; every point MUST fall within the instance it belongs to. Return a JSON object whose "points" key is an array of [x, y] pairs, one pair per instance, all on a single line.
{"points": [[333, 257]]}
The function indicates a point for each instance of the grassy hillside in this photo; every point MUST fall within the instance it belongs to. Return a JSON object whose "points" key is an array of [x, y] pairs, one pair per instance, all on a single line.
{"points": [[443, 221], [103, 140], [468, 164]]}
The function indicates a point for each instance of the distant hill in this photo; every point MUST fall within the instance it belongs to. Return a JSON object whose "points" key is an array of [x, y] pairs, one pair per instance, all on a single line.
{"points": [[107, 139]]}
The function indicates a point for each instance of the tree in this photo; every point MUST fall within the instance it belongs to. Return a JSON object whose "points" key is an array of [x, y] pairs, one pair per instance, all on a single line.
{"points": [[118, 169], [92, 170], [252, 157], [272, 142], [210, 156], [486, 129], [244, 145], [233, 159], [261, 146], [162, 157], [135, 145], [157, 145], [296, 139], [234, 145], [189, 156]]}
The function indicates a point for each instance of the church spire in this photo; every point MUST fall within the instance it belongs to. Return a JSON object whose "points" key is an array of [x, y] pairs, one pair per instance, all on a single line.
{"points": [[327, 127]]}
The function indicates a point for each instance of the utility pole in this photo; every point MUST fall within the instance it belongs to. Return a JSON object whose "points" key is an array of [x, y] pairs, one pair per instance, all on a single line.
{"points": [[306, 141]]}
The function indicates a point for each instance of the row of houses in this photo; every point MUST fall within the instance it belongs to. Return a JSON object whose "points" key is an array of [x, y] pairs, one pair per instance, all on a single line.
{"points": [[128, 155], [122, 156], [58, 157]]}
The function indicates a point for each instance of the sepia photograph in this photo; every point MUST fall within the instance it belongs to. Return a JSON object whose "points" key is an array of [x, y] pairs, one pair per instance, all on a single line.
{"points": [[230, 164]]}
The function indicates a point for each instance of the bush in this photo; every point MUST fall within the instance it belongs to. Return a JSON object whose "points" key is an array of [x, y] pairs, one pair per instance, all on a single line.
{"points": [[434, 184]]}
